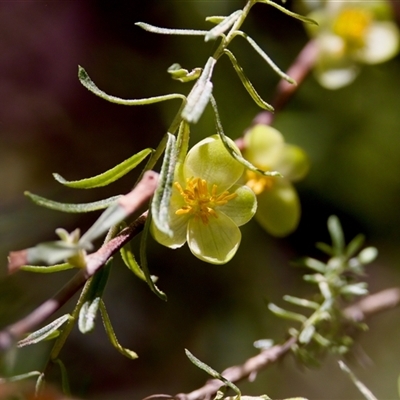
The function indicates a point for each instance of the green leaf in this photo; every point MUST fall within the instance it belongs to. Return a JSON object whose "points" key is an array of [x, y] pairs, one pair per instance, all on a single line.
{"points": [[287, 12], [223, 26], [162, 195], [109, 176], [336, 232], [266, 58], [301, 302], [69, 207], [168, 31], [21, 377], [367, 255], [230, 149], [143, 260], [282, 313], [247, 84], [215, 19], [325, 248], [64, 377], [182, 144], [111, 334], [183, 75], [306, 334], [89, 309], [200, 94], [44, 269], [314, 264], [130, 261], [211, 372], [356, 289], [355, 245], [89, 84], [43, 333]]}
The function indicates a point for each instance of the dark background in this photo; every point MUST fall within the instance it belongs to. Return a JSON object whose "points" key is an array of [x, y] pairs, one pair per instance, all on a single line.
{"points": [[50, 123]]}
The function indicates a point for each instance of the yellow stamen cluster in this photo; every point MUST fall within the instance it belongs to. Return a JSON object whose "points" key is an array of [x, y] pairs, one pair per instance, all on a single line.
{"points": [[352, 25], [258, 182], [199, 201]]}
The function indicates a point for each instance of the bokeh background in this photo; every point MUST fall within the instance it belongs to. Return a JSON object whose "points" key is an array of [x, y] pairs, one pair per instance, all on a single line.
{"points": [[50, 123]]}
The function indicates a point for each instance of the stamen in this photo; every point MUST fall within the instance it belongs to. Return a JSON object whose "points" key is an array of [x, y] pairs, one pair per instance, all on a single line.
{"points": [[258, 182], [199, 201]]}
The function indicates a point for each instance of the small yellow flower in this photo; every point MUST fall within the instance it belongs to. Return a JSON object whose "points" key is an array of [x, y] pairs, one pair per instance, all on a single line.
{"points": [[207, 206], [278, 209], [349, 34]]}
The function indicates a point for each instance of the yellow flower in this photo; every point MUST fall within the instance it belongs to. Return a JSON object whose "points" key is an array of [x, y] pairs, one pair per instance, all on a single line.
{"points": [[278, 209], [349, 34]]}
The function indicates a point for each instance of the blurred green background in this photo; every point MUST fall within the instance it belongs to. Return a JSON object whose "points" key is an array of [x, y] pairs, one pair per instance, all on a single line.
{"points": [[50, 123]]}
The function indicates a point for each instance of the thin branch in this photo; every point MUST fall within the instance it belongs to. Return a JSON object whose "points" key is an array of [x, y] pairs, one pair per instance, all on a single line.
{"points": [[363, 309], [138, 196]]}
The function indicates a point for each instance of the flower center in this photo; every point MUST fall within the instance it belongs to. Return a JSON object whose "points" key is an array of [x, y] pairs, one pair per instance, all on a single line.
{"points": [[258, 182], [199, 201], [352, 25]]}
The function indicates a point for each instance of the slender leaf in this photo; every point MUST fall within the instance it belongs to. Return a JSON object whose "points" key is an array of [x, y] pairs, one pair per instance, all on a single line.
{"points": [[287, 12], [232, 151], [200, 94], [183, 75], [306, 334], [43, 333], [130, 261], [111, 334], [223, 26], [336, 232], [280, 312], [266, 58], [109, 176], [143, 261], [21, 377], [89, 84], [44, 269], [168, 31], [325, 248], [355, 245], [314, 264], [69, 207], [247, 84], [64, 377], [162, 195], [211, 372], [301, 302], [367, 255]]}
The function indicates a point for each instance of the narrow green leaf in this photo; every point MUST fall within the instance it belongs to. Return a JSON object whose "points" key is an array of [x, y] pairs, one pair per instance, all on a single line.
{"points": [[89, 309], [356, 289], [200, 94], [306, 334], [69, 207], [39, 386], [44, 269], [280, 312], [287, 12], [247, 84], [215, 19], [355, 245], [168, 31], [109, 176], [265, 57], [360, 386], [301, 302], [232, 151], [21, 377], [53, 252], [43, 333], [211, 372], [223, 26], [336, 232], [182, 144], [367, 255], [130, 261], [325, 248], [314, 264], [162, 195], [143, 261], [64, 377], [89, 84], [111, 334]]}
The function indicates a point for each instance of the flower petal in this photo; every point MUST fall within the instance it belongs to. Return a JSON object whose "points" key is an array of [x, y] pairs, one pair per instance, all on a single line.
{"points": [[177, 223], [279, 208], [263, 146], [215, 242], [210, 160], [243, 207], [293, 163], [382, 43]]}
